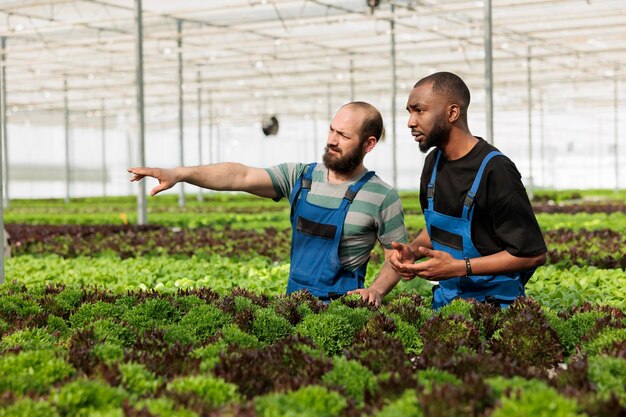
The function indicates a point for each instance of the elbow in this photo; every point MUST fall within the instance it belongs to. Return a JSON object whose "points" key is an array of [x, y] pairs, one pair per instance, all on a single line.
{"points": [[539, 260]]}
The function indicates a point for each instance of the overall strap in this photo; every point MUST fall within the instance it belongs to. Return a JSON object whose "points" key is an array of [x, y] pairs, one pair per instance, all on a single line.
{"points": [[307, 177], [430, 194], [471, 194], [304, 181], [354, 188]]}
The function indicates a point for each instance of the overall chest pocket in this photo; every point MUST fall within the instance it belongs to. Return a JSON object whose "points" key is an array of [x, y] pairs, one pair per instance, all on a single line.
{"points": [[311, 228]]}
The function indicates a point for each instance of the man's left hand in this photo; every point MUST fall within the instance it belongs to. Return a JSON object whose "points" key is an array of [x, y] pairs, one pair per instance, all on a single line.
{"points": [[369, 295]]}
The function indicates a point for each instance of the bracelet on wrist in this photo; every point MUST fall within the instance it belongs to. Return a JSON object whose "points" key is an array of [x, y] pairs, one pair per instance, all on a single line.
{"points": [[468, 268]]}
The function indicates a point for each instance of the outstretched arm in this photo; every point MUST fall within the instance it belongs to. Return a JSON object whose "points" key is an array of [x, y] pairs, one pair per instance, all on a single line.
{"points": [[226, 176]]}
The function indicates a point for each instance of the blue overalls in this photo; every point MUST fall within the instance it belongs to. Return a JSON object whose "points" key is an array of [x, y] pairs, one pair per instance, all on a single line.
{"points": [[315, 237], [454, 236]]}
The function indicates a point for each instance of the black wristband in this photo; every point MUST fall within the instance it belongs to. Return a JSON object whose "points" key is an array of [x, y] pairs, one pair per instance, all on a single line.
{"points": [[468, 268]]}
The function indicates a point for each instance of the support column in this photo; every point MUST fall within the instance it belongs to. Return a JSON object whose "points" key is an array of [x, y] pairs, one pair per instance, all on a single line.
{"points": [[616, 126], [211, 128], [181, 157], [351, 80], [3, 133], [103, 128], [66, 114], [199, 103], [315, 149], [394, 158], [4, 141], [531, 189], [542, 132], [142, 212], [488, 74], [329, 106]]}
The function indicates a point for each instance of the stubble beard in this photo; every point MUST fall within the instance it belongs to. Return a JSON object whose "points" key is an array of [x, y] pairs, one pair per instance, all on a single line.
{"points": [[436, 137]]}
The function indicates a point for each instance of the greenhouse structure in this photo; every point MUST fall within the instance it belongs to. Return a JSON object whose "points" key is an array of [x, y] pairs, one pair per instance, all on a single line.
{"points": [[114, 302]]}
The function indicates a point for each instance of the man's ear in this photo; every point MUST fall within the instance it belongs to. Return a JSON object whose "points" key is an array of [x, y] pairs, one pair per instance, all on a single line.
{"points": [[369, 144], [454, 113]]}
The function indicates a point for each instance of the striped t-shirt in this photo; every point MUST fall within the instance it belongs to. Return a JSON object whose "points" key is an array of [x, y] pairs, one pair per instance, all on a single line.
{"points": [[375, 214]]}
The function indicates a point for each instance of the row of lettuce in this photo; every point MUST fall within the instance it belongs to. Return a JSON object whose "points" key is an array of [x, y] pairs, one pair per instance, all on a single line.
{"points": [[605, 248], [552, 286], [260, 218], [70, 351]]}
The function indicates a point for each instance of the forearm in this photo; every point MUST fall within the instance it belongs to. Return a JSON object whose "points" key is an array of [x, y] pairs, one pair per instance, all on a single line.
{"points": [[423, 240], [228, 176], [386, 280], [222, 177], [500, 263]]}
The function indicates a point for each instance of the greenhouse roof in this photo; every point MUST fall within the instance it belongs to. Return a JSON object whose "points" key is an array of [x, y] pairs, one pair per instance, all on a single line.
{"points": [[247, 58]]}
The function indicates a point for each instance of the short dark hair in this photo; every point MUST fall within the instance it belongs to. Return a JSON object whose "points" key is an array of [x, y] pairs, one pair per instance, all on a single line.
{"points": [[450, 85], [373, 123]]}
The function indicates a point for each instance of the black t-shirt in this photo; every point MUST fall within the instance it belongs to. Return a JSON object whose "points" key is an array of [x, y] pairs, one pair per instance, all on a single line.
{"points": [[503, 216]]}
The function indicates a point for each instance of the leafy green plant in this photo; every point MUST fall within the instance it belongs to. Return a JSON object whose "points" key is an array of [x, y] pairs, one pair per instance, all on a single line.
{"points": [[89, 312], [213, 392], [444, 334], [112, 332], [163, 407], [526, 337], [357, 315], [56, 325], [204, 321], [380, 353], [162, 358], [151, 313], [287, 364], [407, 405], [32, 371], [409, 336], [562, 288], [291, 309], [20, 306], [137, 380], [470, 398], [411, 308], [4, 326], [27, 339], [355, 379], [608, 374], [572, 330], [84, 398], [27, 407], [268, 326], [310, 401], [69, 298], [604, 341], [458, 307], [108, 352], [535, 399], [330, 332], [430, 377]]}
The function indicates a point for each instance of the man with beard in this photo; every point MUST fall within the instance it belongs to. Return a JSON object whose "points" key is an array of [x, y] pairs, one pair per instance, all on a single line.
{"points": [[482, 239], [338, 210]]}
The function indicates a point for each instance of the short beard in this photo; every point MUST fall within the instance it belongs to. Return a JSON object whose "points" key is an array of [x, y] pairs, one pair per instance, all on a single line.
{"points": [[436, 136], [343, 164]]}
